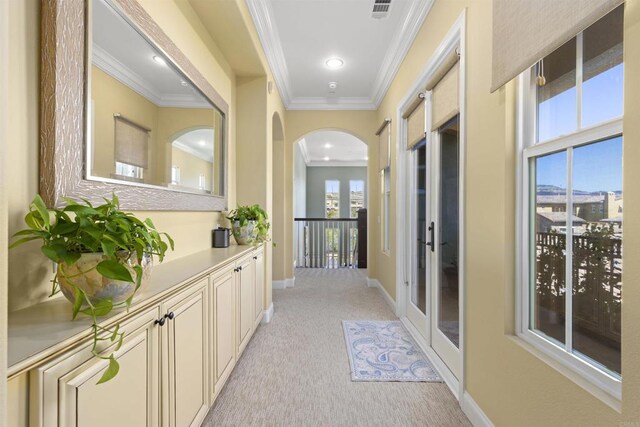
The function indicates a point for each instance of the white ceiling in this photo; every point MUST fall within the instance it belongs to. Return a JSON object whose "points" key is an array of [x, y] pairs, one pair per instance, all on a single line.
{"points": [[298, 36], [198, 142], [125, 55], [333, 148]]}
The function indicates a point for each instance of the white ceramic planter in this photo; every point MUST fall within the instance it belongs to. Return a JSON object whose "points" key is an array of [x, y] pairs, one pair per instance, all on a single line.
{"points": [[84, 275]]}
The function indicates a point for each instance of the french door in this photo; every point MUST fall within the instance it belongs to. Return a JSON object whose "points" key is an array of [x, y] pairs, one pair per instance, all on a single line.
{"points": [[434, 236]]}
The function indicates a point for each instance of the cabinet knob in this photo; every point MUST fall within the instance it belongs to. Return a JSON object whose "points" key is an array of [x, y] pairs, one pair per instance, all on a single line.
{"points": [[240, 268], [160, 321], [170, 315], [255, 257], [235, 270]]}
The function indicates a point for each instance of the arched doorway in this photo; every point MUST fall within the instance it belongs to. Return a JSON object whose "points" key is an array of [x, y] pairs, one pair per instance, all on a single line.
{"points": [[330, 192]]}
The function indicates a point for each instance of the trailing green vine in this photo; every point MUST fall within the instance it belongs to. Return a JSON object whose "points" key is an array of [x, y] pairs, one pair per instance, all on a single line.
{"points": [[244, 214], [120, 237]]}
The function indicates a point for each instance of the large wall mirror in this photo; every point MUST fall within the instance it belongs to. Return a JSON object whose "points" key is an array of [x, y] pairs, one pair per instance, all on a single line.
{"points": [[153, 130]]}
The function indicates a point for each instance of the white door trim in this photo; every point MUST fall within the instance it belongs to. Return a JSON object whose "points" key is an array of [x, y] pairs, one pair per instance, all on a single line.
{"points": [[455, 38], [4, 137]]}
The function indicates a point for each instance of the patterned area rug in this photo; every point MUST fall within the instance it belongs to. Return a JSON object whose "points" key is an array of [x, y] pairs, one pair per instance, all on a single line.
{"points": [[384, 351]]}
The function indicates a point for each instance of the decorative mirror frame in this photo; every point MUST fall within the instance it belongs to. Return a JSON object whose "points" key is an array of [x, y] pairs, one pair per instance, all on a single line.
{"points": [[63, 112]]}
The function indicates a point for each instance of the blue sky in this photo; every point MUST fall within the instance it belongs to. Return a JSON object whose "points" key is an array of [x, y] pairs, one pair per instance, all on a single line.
{"points": [[596, 167]]}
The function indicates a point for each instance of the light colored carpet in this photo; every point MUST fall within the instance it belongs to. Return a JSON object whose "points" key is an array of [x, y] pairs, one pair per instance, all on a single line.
{"points": [[295, 371], [383, 350]]}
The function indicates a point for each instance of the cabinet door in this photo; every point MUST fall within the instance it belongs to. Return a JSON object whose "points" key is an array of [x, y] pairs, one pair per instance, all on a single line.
{"points": [[65, 391], [224, 326], [185, 357], [258, 258], [246, 284]]}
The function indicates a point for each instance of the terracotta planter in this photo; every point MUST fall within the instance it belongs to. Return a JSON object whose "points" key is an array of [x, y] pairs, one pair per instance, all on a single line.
{"points": [[84, 275]]}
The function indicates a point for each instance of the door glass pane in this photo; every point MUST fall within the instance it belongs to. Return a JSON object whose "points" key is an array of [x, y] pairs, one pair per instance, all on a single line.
{"points": [[603, 69], [597, 251], [448, 269], [557, 111], [419, 284], [549, 220]]}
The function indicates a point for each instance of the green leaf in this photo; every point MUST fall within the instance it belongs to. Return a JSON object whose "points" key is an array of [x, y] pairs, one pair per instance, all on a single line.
{"points": [[71, 257], [111, 371], [139, 273], [21, 241], [51, 253], [80, 209], [114, 335], [102, 308], [64, 228], [39, 205], [33, 222], [114, 270], [120, 341], [171, 244], [109, 248], [149, 223], [78, 296]]}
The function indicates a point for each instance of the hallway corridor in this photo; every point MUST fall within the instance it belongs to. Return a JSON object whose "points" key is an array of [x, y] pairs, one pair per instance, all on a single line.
{"points": [[295, 370]]}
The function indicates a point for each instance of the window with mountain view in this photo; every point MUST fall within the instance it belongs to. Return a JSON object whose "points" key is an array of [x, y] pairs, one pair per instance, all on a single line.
{"points": [[573, 202], [332, 199], [356, 197]]}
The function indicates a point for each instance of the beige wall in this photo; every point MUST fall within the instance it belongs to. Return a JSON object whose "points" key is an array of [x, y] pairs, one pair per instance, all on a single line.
{"points": [[29, 271], [512, 385], [191, 167]]}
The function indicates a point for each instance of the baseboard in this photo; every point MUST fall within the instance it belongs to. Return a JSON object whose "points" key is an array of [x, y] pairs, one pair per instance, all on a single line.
{"points": [[471, 409], [283, 284], [268, 315], [374, 283]]}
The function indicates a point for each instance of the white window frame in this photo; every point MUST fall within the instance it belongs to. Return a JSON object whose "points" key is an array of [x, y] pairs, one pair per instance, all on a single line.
{"points": [[597, 378], [351, 181], [385, 207], [325, 197]]}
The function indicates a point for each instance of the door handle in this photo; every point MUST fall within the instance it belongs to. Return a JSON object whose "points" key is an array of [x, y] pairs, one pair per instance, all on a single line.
{"points": [[432, 229]]}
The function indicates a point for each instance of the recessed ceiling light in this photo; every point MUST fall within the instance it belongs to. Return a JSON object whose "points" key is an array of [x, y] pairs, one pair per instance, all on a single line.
{"points": [[326, 159], [366, 157], [334, 63], [327, 145], [159, 60], [183, 83], [202, 143]]}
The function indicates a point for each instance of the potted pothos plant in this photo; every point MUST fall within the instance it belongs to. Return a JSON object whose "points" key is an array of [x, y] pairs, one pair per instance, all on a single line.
{"points": [[249, 224], [103, 257]]}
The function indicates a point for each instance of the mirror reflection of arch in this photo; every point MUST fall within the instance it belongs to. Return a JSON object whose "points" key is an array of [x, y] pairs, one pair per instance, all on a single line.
{"points": [[193, 156]]}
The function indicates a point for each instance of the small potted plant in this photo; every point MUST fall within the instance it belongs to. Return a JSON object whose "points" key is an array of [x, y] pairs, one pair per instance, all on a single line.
{"points": [[249, 224], [103, 257]]}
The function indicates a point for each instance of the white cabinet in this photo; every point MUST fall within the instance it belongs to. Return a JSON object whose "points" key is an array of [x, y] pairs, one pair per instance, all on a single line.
{"points": [[245, 285], [258, 258], [224, 327], [64, 391], [185, 361], [178, 352]]}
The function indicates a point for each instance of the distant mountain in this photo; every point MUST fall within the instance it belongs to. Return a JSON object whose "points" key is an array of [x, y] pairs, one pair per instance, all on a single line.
{"points": [[554, 190]]}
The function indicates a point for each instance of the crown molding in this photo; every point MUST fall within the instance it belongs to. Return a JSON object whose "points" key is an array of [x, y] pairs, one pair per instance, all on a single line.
{"points": [[303, 150], [125, 75], [345, 164], [184, 147], [399, 48], [262, 15], [324, 103]]}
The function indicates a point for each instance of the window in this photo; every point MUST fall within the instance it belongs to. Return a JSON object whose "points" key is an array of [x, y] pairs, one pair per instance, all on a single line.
{"points": [[386, 203], [129, 171], [332, 199], [571, 264], [356, 197], [175, 175]]}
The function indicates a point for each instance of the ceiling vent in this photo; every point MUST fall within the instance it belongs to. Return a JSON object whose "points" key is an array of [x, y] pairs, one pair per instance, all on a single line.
{"points": [[381, 8]]}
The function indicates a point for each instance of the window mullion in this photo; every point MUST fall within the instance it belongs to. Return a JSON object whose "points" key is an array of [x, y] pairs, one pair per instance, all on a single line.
{"points": [[579, 72], [568, 295]]}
